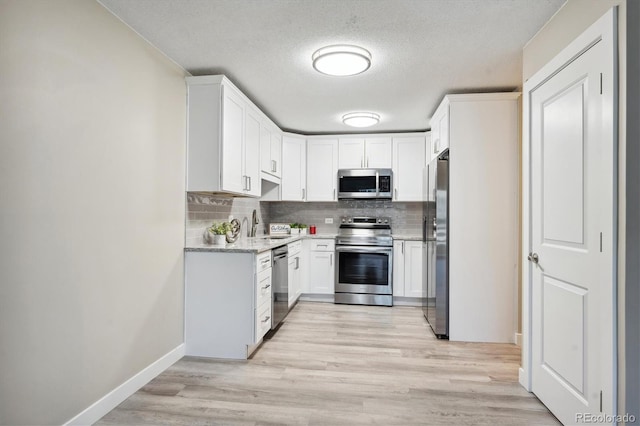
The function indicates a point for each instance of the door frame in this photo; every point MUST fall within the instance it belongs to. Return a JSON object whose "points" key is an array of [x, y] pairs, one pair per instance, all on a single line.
{"points": [[604, 30]]}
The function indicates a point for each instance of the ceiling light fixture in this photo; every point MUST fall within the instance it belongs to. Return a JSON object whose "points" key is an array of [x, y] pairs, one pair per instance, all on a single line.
{"points": [[341, 60], [361, 119]]}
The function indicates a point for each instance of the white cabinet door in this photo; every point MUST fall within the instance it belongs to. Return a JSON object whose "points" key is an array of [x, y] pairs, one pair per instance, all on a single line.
{"points": [[232, 141], [293, 281], [293, 174], [276, 153], [322, 169], [413, 252], [378, 153], [351, 153], [265, 149], [251, 178], [408, 162], [321, 272], [398, 268]]}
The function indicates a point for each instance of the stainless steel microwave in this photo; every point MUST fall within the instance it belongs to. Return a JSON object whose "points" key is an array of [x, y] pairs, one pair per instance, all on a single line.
{"points": [[365, 183]]}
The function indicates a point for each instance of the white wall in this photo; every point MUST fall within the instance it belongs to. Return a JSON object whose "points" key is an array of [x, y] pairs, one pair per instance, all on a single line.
{"points": [[92, 153], [570, 21]]}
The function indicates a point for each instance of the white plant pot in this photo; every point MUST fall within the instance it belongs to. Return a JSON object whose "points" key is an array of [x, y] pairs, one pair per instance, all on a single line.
{"points": [[219, 240], [303, 231]]}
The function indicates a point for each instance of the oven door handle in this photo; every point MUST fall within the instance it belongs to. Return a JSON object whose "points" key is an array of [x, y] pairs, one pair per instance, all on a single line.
{"points": [[365, 249]]}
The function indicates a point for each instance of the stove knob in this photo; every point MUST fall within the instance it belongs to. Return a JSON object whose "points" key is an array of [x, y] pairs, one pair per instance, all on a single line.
{"points": [[350, 220], [344, 220], [379, 220], [386, 221]]}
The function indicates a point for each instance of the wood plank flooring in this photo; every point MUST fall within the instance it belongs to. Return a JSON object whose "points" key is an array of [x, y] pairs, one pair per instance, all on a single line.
{"points": [[343, 365]]}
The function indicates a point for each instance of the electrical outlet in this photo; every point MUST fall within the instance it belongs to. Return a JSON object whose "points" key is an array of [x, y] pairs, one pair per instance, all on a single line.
{"points": [[328, 220], [230, 217]]}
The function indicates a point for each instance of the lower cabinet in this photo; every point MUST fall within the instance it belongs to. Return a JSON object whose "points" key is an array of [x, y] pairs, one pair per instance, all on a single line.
{"points": [[227, 303], [407, 269], [295, 271], [321, 267]]}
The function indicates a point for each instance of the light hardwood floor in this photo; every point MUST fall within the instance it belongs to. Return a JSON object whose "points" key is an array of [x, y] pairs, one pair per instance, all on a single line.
{"points": [[344, 365]]}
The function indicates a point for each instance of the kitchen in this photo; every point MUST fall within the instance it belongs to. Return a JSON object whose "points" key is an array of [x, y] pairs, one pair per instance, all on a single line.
{"points": [[128, 207]]}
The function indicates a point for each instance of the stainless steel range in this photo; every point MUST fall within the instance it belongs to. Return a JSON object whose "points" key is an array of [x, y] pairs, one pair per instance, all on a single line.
{"points": [[364, 261]]}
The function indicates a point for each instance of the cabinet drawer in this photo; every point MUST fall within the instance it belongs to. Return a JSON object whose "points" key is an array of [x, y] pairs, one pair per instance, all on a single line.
{"points": [[263, 321], [263, 291], [263, 261], [295, 247], [322, 245]]}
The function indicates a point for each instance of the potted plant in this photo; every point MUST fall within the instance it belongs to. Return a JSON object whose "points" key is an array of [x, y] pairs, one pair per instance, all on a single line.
{"points": [[295, 228], [217, 233], [303, 228]]}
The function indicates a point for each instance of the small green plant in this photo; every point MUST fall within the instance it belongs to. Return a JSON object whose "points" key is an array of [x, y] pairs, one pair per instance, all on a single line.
{"points": [[297, 225], [220, 228], [302, 226]]}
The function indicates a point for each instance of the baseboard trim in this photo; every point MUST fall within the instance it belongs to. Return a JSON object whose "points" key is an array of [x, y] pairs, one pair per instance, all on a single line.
{"points": [[519, 339], [407, 301], [98, 409]]}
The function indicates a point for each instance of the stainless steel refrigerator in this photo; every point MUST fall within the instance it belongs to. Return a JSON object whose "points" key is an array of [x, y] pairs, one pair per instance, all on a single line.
{"points": [[435, 231]]}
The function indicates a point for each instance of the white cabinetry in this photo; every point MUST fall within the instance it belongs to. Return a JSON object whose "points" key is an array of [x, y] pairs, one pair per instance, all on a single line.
{"points": [[294, 159], [270, 152], [407, 269], [482, 135], [408, 163], [322, 169], [223, 138], [440, 129], [368, 152], [227, 303], [321, 268], [296, 269]]}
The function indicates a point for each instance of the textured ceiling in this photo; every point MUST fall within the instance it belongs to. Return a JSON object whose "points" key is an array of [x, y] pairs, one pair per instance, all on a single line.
{"points": [[422, 50]]}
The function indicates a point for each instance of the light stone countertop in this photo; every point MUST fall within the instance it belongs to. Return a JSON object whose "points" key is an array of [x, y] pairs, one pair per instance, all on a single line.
{"points": [[255, 245]]}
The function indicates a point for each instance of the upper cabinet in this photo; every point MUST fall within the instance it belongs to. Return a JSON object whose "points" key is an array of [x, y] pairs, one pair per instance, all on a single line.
{"points": [[439, 130], [365, 153], [223, 144], [408, 164], [322, 169], [270, 153], [294, 160]]}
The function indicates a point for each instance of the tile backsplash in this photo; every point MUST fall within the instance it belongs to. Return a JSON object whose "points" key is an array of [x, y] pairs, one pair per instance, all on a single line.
{"points": [[406, 218], [203, 209]]}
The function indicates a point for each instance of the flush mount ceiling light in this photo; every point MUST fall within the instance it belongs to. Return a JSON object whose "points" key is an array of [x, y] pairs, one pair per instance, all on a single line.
{"points": [[361, 119], [341, 60]]}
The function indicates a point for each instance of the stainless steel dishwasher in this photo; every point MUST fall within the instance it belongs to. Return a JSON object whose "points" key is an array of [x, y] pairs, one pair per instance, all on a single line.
{"points": [[280, 286]]}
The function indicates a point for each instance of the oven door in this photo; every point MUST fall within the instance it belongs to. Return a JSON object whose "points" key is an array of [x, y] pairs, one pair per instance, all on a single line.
{"points": [[364, 269]]}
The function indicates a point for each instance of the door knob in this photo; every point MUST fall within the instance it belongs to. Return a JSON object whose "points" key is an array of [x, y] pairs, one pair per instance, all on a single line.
{"points": [[533, 257]]}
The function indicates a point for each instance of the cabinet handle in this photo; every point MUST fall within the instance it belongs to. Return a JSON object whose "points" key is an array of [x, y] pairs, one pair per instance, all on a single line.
{"points": [[267, 318], [244, 183], [334, 194], [273, 165], [331, 259], [395, 194], [322, 245], [367, 161], [297, 262], [403, 247], [264, 262], [303, 194], [249, 179], [266, 286]]}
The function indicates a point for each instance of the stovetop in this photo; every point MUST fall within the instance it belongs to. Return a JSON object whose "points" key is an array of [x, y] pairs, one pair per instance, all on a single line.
{"points": [[365, 231]]}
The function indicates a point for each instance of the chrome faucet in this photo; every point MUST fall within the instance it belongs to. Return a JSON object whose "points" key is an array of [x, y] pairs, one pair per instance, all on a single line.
{"points": [[254, 223]]}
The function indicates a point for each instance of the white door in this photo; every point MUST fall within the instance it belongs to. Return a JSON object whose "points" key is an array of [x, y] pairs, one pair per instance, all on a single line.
{"points": [[408, 162], [252, 183], [232, 141], [322, 169], [378, 153], [351, 153], [293, 173], [571, 225], [413, 252], [265, 149], [321, 272], [276, 154]]}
